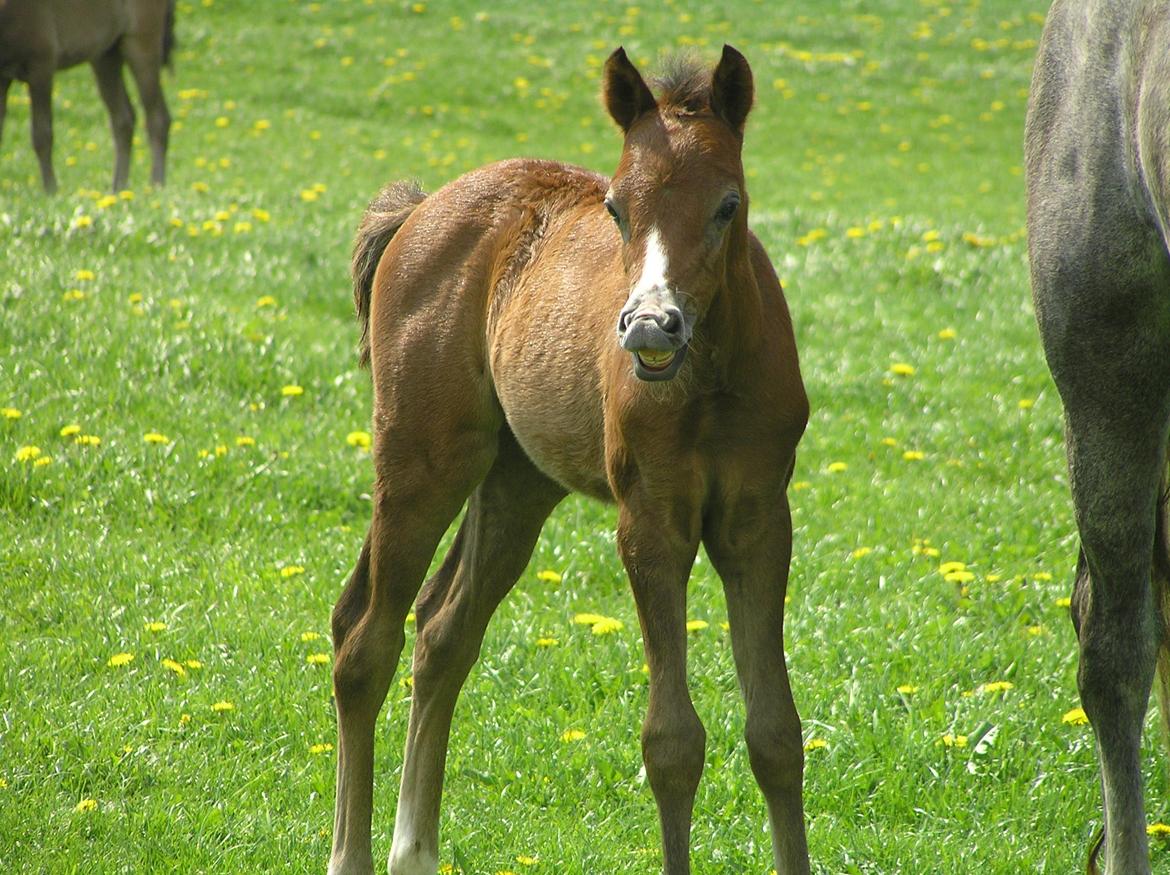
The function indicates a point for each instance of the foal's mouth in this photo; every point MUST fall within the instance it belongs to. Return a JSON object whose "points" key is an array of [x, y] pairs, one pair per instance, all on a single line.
{"points": [[654, 365]]}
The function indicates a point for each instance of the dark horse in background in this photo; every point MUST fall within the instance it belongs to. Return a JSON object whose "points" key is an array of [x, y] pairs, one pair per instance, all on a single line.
{"points": [[1098, 171], [40, 37], [534, 329]]}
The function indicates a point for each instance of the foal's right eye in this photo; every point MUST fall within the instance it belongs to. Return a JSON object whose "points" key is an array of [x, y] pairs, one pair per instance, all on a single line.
{"points": [[612, 210]]}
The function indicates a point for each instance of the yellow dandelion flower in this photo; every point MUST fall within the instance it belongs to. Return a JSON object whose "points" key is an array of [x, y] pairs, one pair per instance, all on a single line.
{"points": [[815, 744], [87, 440], [154, 437], [73, 295], [950, 740], [572, 735], [260, 215], [292, 391], [245, 441], [106, 202], [309, 636], [28, 454], [862, 551], [11, 413], [120, 659], [1026, 403], [318, 749], [155, 626], [947, 334], [1042, 575], [547, 642], [587, 619], [697, 625], [193, 664], [223, 706], [907, 689], [85, 806], [836, 467], [177, 668], [1075, 717], [607, 626], [526, 860], [291, 570], [308, 195], [42, 461], [261, 124], [548, 576], [359, 439], [84, 275], [902, 369], [1063, 602], [82, 221], [913, 455], [959, 577], [265, 301], [930, 236], [996, 687], [948, 567], [317, 659], [222, 121], [1158, 830]]}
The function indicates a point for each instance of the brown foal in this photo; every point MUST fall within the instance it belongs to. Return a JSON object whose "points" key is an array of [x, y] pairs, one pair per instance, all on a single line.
{"points": [[533, 329]]}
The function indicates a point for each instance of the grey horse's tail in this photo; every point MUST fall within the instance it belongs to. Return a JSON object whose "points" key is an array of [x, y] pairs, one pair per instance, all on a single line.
{"points": [[168, 46], [382, 219]]}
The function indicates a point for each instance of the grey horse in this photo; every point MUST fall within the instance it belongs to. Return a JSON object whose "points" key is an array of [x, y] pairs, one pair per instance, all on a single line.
{"points": [[1098, 174], [40, 37]]}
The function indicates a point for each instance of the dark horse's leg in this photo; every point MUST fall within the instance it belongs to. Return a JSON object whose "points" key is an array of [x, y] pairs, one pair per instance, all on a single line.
{"points": [[108, 71], [504, 518], [144, 53], [40, 92], [5, 84]]}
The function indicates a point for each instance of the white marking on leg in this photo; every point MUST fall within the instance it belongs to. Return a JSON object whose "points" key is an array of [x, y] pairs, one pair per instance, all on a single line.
{"points": [[407, 856]]}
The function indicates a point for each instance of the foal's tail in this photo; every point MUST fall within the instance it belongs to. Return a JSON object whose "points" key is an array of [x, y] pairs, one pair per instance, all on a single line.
{"points": [[383, 217]]}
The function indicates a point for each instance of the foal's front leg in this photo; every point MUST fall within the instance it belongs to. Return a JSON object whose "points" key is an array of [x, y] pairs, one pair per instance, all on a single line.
{"points": [[658, 551], [751, 551]]}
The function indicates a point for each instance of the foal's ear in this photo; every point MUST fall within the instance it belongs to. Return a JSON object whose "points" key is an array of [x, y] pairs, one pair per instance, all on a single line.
{"points": [[732, 89], [625, 93]]}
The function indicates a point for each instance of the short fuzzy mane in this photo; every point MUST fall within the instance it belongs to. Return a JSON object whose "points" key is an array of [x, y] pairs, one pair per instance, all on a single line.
{"points": [[684, 85]]}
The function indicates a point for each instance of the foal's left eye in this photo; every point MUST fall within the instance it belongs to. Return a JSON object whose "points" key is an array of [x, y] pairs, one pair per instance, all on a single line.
{"points": [[727, 209], [612, 210]]}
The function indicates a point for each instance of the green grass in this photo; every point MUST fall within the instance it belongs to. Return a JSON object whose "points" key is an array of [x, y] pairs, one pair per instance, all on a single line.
{"points": [[901, 121]]}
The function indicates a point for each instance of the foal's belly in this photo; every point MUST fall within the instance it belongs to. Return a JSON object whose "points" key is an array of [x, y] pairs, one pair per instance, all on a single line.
{"points": [[546, 376]]}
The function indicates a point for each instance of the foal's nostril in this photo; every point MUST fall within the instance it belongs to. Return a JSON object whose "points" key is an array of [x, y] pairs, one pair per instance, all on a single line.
{"points": [[671, 322]]}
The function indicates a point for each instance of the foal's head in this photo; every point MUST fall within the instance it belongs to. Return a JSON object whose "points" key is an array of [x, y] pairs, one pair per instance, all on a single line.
{"points": [[677, 197]]}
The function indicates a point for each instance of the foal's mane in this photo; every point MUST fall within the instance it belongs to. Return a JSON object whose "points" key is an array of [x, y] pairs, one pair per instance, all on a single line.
{"points": [[684, 85]]}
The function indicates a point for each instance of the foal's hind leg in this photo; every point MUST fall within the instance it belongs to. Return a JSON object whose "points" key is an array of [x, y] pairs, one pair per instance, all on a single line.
{"points": [[108, 71], [504, 518], [752, 552], [1117, 408], [424, 476]]}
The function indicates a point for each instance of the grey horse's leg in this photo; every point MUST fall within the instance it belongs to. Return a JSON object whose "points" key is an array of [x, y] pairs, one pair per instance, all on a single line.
{"points": [[108, 71], [1112, 378]]}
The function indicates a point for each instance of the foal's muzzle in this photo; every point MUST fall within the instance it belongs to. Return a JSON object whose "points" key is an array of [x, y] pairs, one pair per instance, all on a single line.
{"points": [[655, 331]]}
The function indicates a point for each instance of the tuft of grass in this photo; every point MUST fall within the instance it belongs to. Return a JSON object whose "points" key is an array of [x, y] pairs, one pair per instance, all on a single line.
{"points": [[883, 160]]}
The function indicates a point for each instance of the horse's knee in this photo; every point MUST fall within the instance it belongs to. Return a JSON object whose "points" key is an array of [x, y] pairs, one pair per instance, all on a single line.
{"points": [[775, 752], [673, 751], [442, 651]]}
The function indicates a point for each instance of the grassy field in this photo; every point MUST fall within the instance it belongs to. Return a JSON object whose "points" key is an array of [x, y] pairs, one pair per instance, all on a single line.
{"points": [[183, 488]]}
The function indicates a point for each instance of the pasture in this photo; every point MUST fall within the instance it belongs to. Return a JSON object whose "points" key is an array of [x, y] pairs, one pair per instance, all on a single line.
{"points": [[184, 481]]}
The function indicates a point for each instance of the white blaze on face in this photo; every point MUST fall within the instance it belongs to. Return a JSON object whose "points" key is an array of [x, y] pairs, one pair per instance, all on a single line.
{"points": [[653, 266]]}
